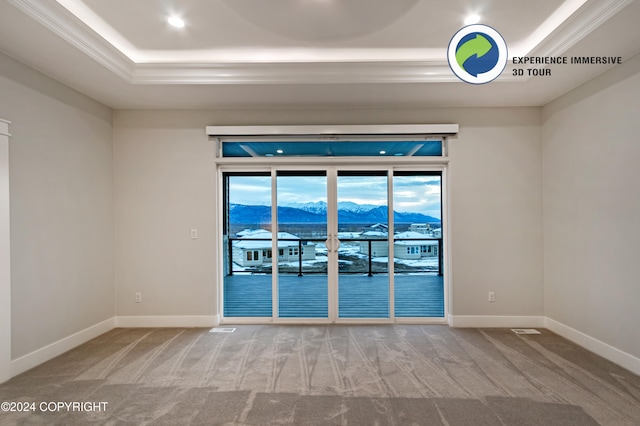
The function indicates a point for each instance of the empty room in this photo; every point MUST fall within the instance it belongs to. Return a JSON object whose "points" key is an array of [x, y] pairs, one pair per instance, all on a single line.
{"points": [[347, 212]]}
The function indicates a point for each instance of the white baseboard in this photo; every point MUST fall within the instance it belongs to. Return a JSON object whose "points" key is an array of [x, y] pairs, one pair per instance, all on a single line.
{"points": [[37, 357], [596, 346], [494, 321], [168, 321]]}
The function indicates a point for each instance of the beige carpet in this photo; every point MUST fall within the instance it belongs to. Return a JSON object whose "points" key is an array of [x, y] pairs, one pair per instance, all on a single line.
{"points": [[328, 375]]}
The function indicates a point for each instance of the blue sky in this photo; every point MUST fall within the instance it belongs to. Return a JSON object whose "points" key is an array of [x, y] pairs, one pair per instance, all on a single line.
{"points": [[419, 194]]}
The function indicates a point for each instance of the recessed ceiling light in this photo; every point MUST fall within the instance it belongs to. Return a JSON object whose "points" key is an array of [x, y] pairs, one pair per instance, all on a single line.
{"points": [[383, 152], [472, 19], [175, 21]]}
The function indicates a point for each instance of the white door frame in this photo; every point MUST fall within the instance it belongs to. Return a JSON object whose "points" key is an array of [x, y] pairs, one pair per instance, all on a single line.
{"points": [[5, 256], [343, 163], [217, 133]]}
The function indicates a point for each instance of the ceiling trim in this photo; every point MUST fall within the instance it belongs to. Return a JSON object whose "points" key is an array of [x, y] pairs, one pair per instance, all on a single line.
{"points": [[294, 73], [586, 19], [58, 19], [64, 24]]}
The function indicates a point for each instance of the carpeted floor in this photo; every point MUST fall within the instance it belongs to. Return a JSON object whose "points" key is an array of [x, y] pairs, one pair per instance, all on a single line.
{"points": [[325, 375]]}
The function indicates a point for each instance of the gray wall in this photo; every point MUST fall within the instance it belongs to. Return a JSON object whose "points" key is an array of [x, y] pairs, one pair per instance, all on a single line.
{"points": [[61, 182], [164, 180], [591, 157], [164, 174]]}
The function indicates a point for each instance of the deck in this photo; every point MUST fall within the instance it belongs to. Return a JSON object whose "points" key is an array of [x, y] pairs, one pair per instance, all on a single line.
{"points": [[359, 296]]}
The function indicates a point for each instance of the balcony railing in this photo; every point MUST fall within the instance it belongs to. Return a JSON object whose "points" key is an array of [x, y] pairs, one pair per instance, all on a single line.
{"points": [[301, 243]]}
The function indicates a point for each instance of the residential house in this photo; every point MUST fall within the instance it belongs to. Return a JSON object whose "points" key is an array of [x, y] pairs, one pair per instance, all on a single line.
{"points": [[254, 248]]}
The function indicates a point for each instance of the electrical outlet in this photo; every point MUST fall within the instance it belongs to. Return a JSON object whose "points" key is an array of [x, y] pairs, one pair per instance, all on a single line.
{"points": [[492, 296], [138, 297]]}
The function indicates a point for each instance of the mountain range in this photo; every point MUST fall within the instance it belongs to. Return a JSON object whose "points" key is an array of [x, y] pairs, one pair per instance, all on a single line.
{"points": [[348, 212]]}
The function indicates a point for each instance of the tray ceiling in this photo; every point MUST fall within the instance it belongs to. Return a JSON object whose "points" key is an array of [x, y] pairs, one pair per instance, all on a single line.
{"points": [[252, 53]]}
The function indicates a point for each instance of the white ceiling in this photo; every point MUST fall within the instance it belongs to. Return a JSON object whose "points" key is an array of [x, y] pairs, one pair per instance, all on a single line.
{"points": [[301, 53]]}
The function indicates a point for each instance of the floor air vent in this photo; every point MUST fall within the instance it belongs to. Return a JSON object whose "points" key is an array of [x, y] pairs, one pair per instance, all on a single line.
{"points": [[222, 330], [525, 331]]}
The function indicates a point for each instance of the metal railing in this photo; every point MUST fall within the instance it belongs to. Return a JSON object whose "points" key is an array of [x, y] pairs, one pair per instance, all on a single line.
{"points": [[303, 242]]}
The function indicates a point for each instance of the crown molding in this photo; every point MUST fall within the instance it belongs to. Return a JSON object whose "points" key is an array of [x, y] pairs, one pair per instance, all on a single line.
{"points": [[294, 73], [584, 21], [63, 23]]}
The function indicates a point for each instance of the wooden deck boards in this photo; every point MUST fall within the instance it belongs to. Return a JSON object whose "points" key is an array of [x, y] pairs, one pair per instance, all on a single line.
{"points": [[359, 296]]}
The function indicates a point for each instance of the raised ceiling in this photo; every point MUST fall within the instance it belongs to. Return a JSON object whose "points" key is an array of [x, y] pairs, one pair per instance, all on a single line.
{"points": [[311, 53]]}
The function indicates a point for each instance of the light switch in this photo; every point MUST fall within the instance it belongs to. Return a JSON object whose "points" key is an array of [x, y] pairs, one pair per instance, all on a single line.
{"points": [[194, 234]]}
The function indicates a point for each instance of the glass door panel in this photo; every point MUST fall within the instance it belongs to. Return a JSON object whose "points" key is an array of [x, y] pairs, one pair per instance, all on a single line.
{"points": [[330, 241], [363, 248], [301, 246], [417, 243], [247, 287]]}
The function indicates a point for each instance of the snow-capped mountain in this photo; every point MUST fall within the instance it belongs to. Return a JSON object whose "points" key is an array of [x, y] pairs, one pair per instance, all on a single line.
{"points": [[317, 213], [321, 207]]}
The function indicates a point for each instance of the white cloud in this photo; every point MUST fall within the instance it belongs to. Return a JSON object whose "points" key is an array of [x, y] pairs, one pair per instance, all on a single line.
{"points": [[419, 194]]}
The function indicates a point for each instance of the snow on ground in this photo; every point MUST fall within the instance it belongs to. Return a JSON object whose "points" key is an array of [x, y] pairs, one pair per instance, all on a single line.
{"points": [[423, 262], [318, 259], [415, 263], [350, 250]]}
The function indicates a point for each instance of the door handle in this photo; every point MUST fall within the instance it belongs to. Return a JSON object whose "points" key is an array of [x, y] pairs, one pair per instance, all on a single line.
{"points": [[332, 243], [329, 244]]}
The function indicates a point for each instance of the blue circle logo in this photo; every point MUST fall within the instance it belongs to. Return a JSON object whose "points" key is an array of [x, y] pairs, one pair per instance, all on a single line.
{"points": [[477, 54]]}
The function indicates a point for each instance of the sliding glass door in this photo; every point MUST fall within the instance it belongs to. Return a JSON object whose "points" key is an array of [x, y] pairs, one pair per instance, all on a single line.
{"points": [[417, 243], [247, 239], [333, 244], [302, 279], [363, 236]]}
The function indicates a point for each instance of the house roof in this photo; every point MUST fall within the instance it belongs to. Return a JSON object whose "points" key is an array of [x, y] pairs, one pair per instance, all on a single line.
{"points": [[248, 239], [415, 239]]}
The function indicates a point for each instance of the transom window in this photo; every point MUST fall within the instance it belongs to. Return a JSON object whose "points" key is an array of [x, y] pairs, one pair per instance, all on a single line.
{"points": [[343, 148]]}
